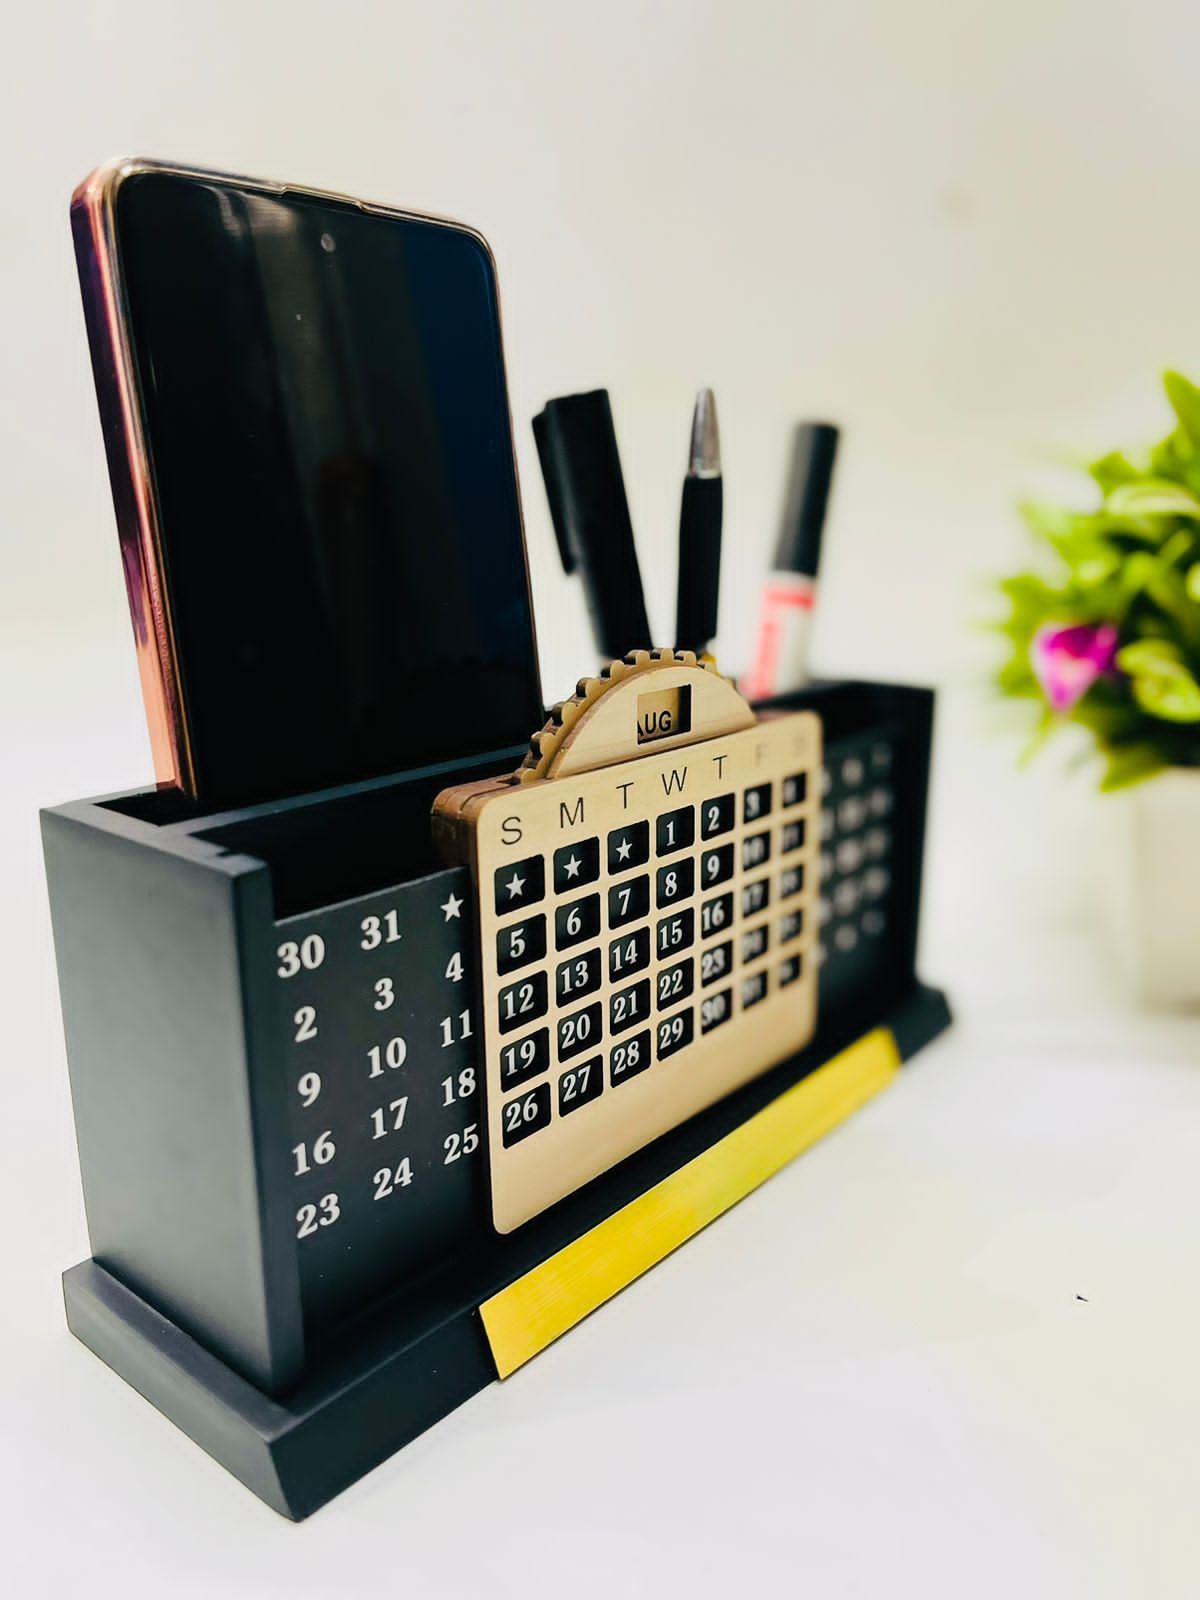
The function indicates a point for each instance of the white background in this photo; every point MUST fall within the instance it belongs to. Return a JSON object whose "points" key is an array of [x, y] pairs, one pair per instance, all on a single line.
{"points": [[970, 234]]}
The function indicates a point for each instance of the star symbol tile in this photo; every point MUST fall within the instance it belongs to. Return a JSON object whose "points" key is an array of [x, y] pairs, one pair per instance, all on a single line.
{"points": [[515, 885], [452, 907]]}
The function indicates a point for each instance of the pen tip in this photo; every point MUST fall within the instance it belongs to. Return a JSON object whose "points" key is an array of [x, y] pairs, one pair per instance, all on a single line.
{"points": [[704, 460]]}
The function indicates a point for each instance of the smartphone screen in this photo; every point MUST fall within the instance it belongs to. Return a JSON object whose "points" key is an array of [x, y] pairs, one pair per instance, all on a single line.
{"points": [[324, 405]]}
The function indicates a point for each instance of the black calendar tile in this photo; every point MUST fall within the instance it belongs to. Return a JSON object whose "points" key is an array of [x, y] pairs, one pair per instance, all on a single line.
{"points": [[716, 963], [754, 943], [717, 816], [795, 789], [716, 1009], [791, 881], [791, 926], [525, 1114], [628, 901], [579, 1084], [577, 977], [520, 884], [789, 971], [755, 896], [674, 1033], [522, 1002], [716, 866], [629, 954], [576, 865], [675, 830], [520, 943], [627, 1059], [791, 836], [576, 922], [524, 1058], [674, 983], [754, 989], [581, 1031], [675, 882], [628, 847], [673, 935], [628, 1007], [756, 848], [756, 802], [716, 915]]}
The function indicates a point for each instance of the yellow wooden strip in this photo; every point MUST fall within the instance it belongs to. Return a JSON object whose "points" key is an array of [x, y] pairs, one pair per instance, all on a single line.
{"points": [[532, 1312]]}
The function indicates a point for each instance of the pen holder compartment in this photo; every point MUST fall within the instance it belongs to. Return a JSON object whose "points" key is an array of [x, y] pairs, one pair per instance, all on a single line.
{"points": [[233, 987], [241, 993]]}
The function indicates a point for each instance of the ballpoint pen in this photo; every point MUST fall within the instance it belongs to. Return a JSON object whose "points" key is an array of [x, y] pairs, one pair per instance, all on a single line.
{"points": [[699, 583]]}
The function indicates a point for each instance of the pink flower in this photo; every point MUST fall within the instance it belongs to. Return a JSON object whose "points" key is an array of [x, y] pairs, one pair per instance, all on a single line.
{"points": [[1068, 660]]}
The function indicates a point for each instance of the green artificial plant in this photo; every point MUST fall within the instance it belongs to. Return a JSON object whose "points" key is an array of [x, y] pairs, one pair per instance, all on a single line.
{"points": [[1106, 633]]}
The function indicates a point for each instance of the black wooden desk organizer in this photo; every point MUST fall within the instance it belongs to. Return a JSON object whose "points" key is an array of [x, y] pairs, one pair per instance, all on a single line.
{"points": [[207, 963]]}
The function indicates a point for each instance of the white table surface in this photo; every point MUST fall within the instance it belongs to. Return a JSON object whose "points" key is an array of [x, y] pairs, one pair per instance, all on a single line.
{"points": [[951, 1351]]}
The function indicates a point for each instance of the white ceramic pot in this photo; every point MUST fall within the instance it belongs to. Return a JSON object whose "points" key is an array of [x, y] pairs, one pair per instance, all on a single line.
{"points": [[1150, 885]]}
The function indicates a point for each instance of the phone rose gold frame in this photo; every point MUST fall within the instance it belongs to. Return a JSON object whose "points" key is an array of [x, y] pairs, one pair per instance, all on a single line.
{"points": [[93, 221]]}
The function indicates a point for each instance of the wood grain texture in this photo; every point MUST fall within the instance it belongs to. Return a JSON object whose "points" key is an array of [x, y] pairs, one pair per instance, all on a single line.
{"points": [[494, 826]]}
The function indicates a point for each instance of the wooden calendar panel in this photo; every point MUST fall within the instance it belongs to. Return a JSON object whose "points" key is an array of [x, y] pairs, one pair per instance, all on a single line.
{"points": [[645, 936], [385, 1109]]}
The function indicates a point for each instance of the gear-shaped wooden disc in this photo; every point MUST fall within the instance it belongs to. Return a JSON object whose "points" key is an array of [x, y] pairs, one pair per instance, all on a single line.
{"points": [[650, 700]]}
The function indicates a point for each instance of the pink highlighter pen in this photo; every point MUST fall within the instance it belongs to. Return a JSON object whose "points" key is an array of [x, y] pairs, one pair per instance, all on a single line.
{"points": [[790, 592]]}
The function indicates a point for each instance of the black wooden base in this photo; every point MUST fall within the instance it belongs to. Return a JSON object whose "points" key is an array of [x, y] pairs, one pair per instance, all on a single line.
{"points": [[395, 1374]]}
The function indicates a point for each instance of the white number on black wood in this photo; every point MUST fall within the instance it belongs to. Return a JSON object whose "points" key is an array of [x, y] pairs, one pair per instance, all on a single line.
{"points": [[449, 1033], [461, 1144], [322, 1215], [458, 1088], [306, 1023], [388, 1119], [393, 1054], [307, 954], [322, 1152], [379, 930], [389, 1179]]}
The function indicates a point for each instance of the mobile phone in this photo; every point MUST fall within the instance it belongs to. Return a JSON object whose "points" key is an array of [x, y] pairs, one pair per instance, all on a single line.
{"points": [[308, 435]]}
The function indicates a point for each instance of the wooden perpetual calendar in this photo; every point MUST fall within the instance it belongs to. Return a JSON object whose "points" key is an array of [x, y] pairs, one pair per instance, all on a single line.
{"points": [[645, 901]]}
